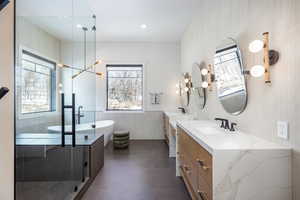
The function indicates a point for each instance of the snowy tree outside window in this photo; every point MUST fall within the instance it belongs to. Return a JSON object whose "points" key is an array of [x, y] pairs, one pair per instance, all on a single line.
{"points": [[36, 84], [125, 87]]}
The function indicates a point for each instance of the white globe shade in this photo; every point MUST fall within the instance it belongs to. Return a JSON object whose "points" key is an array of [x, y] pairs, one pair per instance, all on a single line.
{"points": [[204, 84], [186, 89], [256, 46], [204, 71], [186, 80], [257, 71]]}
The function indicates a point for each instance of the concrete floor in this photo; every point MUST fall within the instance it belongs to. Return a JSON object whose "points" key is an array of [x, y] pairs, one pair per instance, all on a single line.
{"points": [[38, 190], [143, 172]]}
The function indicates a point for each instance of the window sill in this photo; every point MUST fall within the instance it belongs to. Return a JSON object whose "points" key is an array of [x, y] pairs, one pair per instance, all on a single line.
{"points": [[124, 111], [37, 115]]}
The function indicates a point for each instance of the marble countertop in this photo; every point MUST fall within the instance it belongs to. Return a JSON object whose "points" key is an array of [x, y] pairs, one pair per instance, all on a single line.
{"points": [[30, 139], [175, 116], [209, 135]]}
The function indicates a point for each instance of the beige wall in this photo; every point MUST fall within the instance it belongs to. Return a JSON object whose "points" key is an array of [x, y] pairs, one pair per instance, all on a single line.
{"points": [[6, 104], [246, 20]]}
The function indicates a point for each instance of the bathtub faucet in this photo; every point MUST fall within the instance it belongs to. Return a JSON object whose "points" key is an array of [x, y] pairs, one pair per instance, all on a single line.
{"points": [[79, 114]]}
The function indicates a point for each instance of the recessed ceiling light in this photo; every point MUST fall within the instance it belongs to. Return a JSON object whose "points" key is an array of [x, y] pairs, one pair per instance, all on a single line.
{"points": [[143, 26]]}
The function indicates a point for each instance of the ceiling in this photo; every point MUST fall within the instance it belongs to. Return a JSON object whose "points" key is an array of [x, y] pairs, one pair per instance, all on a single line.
{"points": [[117, 20]]}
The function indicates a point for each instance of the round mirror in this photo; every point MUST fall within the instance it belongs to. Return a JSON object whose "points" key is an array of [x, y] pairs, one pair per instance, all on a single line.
{"points": [[198, 93], [229, 77]]}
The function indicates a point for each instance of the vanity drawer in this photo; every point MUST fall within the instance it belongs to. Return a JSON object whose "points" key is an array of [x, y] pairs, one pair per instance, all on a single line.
{"points": [[204, 163], [191, 170], [200, 157], [189, 175], [196, 166], [204, 191]]}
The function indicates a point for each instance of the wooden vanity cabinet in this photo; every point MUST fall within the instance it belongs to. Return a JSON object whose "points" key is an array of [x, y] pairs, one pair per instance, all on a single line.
{"points": [[195, 166]]}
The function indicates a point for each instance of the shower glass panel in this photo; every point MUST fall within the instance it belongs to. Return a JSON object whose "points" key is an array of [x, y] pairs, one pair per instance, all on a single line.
{"points": [[52, 48]]}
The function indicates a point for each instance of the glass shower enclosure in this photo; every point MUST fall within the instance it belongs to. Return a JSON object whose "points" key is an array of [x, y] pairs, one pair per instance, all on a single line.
{"points": [[55, 97]]}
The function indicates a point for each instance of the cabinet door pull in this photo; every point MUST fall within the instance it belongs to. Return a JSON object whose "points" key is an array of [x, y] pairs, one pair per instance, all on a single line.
{"points": [[203, 166], [186, 168], [201, 162], [201, 194]]}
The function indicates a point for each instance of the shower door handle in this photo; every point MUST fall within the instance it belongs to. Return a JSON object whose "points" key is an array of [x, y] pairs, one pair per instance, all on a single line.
{"points": [[63, 131]]}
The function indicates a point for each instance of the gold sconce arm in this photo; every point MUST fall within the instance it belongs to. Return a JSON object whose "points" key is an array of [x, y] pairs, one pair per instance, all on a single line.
{"points": [[84, 70], [210, 77], [266, 57], [88, 68]]}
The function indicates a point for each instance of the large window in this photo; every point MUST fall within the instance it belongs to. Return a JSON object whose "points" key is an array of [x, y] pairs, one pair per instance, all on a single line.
{"points": [[124, 87], [37, 84]]}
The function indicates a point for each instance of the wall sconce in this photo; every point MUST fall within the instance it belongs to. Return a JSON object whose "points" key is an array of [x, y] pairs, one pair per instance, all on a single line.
{"points": [[188, 82], [209, 76], [185, 86], [271, 57]]}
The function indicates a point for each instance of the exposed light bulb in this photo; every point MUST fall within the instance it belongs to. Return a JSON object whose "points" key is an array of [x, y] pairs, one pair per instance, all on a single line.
{"points": [[177, 85], [256, 46], [204, 71], [186, 89], [60, 65], [204, 84], [98, 62], [186, 80], [257, 71], [143, 26]]}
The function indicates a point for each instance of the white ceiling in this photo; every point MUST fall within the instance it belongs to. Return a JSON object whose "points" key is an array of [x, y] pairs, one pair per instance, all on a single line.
{"points": [[117, 20]]}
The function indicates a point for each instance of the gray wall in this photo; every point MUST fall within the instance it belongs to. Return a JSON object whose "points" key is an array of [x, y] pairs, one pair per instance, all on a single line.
{"points": [[6, 104], [246, 20]]}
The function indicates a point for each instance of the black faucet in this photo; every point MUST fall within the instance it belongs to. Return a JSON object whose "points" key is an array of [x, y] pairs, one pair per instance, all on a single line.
{"points": [[222, 120], [182, 110], [79, 114], [225, 124], [232, 129]]}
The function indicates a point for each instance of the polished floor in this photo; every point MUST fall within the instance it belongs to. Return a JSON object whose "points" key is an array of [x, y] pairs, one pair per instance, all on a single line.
{"points": [[143, 172]]}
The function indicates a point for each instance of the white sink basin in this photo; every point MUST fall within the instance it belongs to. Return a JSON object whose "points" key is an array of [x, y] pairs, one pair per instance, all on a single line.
{"points": [[210, 130]]}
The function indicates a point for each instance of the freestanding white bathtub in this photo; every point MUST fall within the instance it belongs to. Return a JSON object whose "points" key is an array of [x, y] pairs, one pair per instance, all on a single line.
{"points": [[105, 127]]}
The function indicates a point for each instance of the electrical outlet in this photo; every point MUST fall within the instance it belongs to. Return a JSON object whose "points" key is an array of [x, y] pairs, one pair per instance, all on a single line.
{"points": [[283, 130]]}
